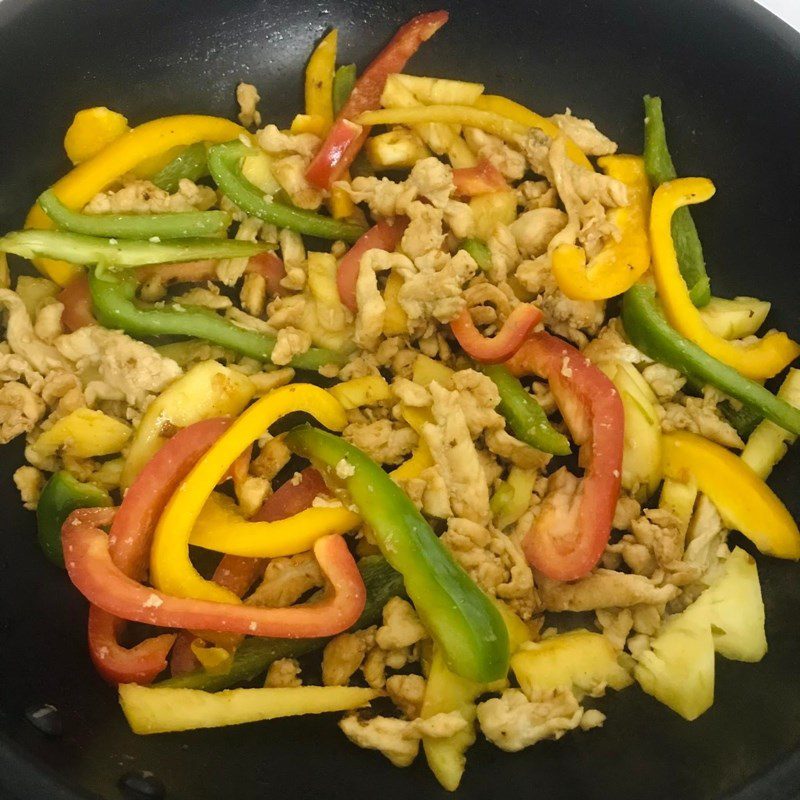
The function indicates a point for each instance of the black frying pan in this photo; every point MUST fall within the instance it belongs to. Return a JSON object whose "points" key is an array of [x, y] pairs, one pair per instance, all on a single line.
{"points": [[729, 74]]}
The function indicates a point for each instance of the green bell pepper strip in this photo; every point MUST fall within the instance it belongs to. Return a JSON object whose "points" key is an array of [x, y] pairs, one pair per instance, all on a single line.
{"points": [[343, 82], [660, 169], [224, 161], [524, 415], [190, 164], [254, 655], [115, 306], [744, 420], [479, 251], [181, 225], [80, 249], [648, 330], [460, 617], [61, 495]]}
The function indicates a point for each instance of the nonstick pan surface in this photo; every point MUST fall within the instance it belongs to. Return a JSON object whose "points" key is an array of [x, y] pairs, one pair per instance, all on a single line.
{"points": [[729, 74]]}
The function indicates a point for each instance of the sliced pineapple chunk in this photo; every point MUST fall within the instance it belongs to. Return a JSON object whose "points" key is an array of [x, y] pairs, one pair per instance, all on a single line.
{"points": [[585, 661], [735, 319], [397, 149]]}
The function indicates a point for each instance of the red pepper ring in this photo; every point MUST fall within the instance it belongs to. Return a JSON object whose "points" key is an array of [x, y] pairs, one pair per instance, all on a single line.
{"points": [[501, 346], [89, 564], [385, 235], [569, 536], [129, 545]]}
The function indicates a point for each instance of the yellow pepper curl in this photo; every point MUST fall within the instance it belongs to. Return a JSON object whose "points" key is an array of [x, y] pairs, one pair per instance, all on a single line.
{"points": [[319, 81], [757, 361], [150, 139], [620, 263], [743, 500], [222, 528], [170, 568]]}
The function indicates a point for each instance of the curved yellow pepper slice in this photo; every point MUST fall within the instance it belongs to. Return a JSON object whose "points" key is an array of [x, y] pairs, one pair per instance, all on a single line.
{"points": [[222, 528], [170, 568], [743, 500], [620, 263], [319, 81], [757, 361], [152, 138], [530, 119], [91, 130]]}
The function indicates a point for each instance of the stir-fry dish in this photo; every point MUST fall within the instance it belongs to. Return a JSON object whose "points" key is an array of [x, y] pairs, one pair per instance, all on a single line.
{"points": [[355, 416]]}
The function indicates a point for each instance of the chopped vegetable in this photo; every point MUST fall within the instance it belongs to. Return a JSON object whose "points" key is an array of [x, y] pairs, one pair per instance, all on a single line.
{"points": [[650, 332], [77, 302], [78, 248], [385, 235], [364, 391], [480, 179], [207, 390], [115, 305], [660, 169], [759, 360], [152, 138], [344, 80], [524, 414], [91, 130], [159, 710], [622, 261], [743, 500], [319, 81], [190, 164], [570, 534], [102, 583], [512, 498], [61, 495], [345, 139], [170, 567], [479, 251], [501, 346], [224, 162], [183, 225], [453, 609], [254, 655]]}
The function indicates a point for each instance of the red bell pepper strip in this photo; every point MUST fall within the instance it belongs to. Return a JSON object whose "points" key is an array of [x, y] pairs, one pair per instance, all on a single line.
{"points": [[501, 346], [385, 235], [346, 138], [77, 302], [129, 547], [481, 179], [271, 268], [569, 536], [89, 564]]}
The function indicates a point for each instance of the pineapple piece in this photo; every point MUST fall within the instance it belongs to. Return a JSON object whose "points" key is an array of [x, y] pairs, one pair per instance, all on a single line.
{"points": [[733, 609], [257, 168], [437, 91], [365, 391], [397, 149], [734, 319], [426, 370], [678, 670], [84, 433], [493, 208], [580, 659]]}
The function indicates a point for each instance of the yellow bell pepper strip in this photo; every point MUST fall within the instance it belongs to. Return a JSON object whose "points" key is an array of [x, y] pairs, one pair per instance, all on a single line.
{"points": [[156, 710], [413, 467], [530, 119], [319, 81], [91, 130], [621, 262], [207, 390], [395, 320], [507, 129], [660, 169], [80, 185], [743, 500], [307, 123], [459, 616], [222, 528], [170, 567], [757, 361]]}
